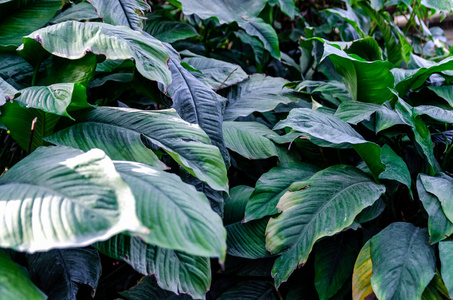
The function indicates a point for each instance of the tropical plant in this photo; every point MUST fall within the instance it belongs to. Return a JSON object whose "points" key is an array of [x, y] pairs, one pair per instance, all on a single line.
{"points": [[225, 149]]}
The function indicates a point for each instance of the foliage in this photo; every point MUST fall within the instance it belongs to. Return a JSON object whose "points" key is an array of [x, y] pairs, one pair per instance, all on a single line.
{"points": [[220, 149]]}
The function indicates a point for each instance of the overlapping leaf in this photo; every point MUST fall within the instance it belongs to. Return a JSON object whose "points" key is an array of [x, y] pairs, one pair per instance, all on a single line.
{"points": [[129, 13]]}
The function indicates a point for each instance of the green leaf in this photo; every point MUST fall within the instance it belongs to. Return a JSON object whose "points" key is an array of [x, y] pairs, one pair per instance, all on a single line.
{"points": [[442, 5], [403, 262], [150, 55], [436, 290], [334, 261], [446, 260], [437, 113], [186, 143], [177, 216], [147, 288], [14, 283], [350, 17], [23, 17], [332, 91], [439, 226], [395, 167], [265, 33], [62, 197], [324, 205], [129, 13], [59, 272], [250, 290], [249, 139], [417, 78], [257, 93], [355, 112], [175, 271], [327, 130], [361, 278], [271, 186], [410, 116], [15, 70], [288, 7], [441, 187], [169, 31], [366, 81], [7, 91], [77, 12], [445, 92], [216, 73]]}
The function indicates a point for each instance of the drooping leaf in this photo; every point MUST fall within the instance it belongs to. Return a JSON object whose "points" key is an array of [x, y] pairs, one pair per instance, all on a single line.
{"points": [[440, 186], [272, 186], [175, 271], [129, 13], [436, 289], [264, 32], [77, 12], [437, 113], [113, 42], [216, 73], [403, 262], [327, 130], [23, 17], [446, 259], [59, 272], [439, 226], [184, 142], [288, 7], [14, 283], [445, 92], [366, 81], [355, 112], [257, 93], [363, 271], [249, 139], [62, 197], [250, 290], [177, 216], [147, 288], [334, 261], [395, 167], [169, 31], [323, 205], [349, 16]]}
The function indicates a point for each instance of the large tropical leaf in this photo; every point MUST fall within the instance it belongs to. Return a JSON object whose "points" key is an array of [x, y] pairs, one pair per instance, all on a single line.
{"points": [[184, 142], [271, 186], [257, 93], [81, 11], [395, 167], [129, 13], [245, 13], [366, 81], [249, 139], [326, 130], [175, 271], [441, 187], [59, 272], [250, 290], [403, 262], [288, 7], [446, 259], [169, 31], [216, 73], [363, 271], [439, 226], [20, 18], [334, 261], [112, 42], [62, 197], [323, 205], [177, 216]]}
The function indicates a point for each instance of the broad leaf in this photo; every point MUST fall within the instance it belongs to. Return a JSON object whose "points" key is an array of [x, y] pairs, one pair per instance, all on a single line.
{"points": [[150, 55], [435, 112], [70, 198], [59, 272], [249, 139], [250, 290], [446, 259], [184, 142], [334, 261], [77, 12], [264, 32], [445, 92], [403, 262], [257, 93], [363, 271], [395, 167], [288, 7], [147, 288], [327, 130], [23, 17], [366, 81], [169, 31], [14, 283], [216, 73], [440, 186], [441, 5], [439, 226], [177, 216], [271, 186], [324, 205], [175, 271], [129, 13], [355, 112]]}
